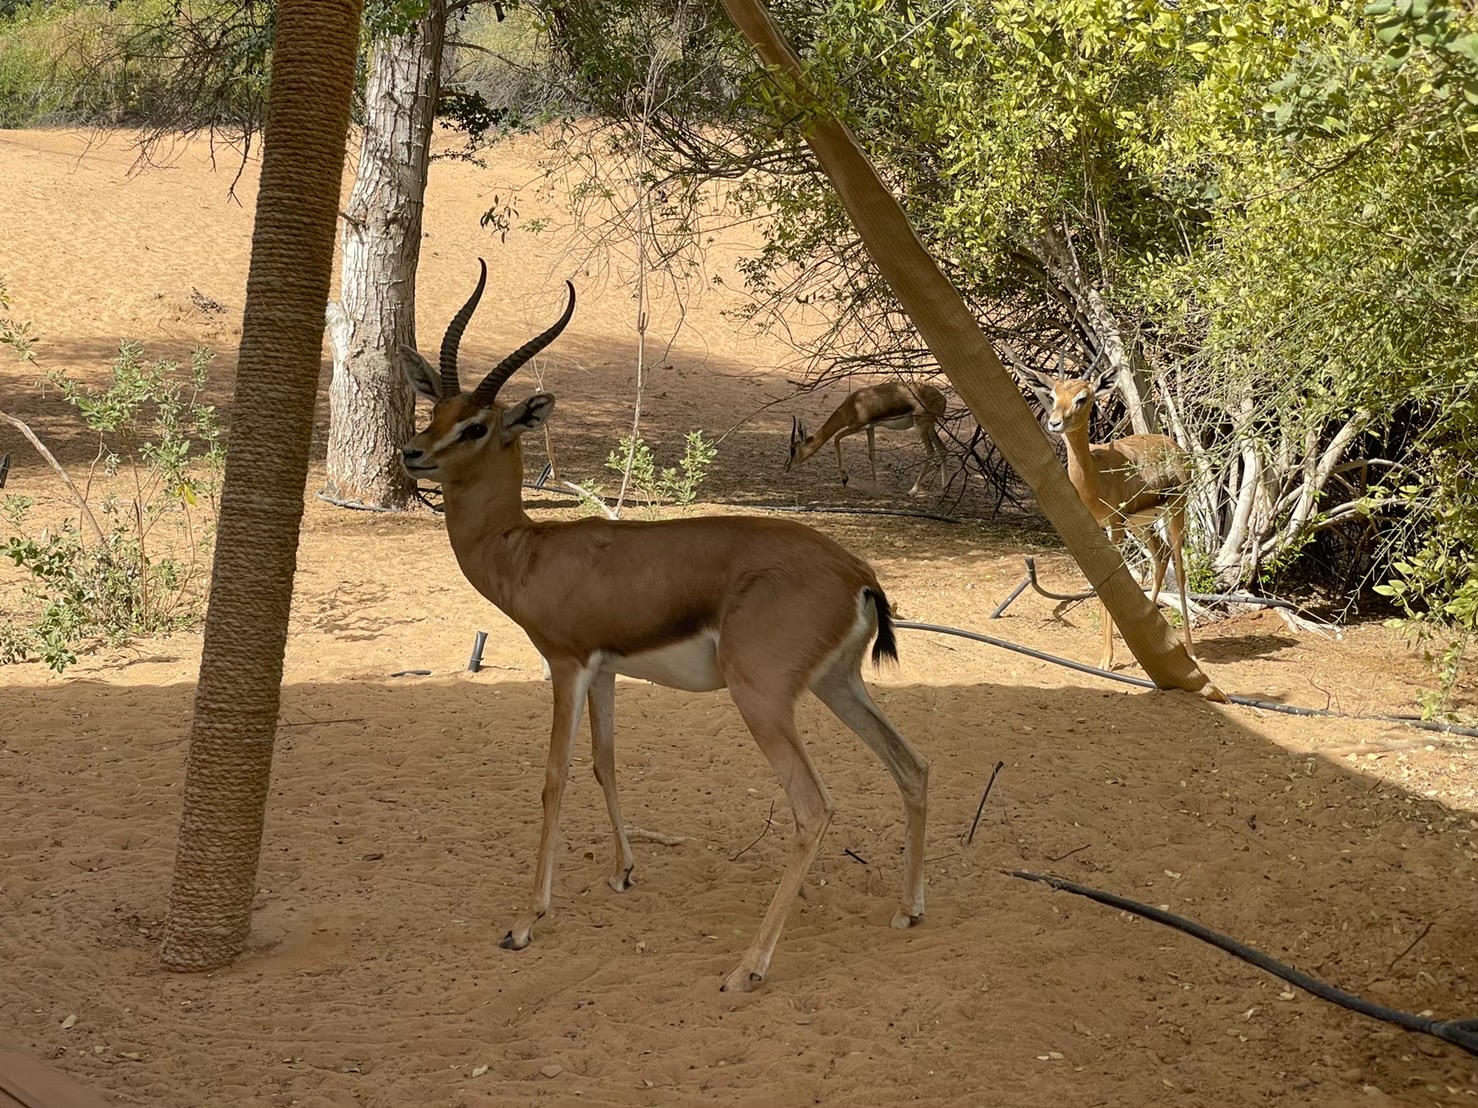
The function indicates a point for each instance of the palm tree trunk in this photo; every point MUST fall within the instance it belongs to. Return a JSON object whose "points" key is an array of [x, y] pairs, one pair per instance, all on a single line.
{"points": [[230, 758], [968, 359]]}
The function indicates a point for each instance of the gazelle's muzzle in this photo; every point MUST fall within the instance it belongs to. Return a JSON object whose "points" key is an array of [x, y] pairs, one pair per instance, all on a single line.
{"points": [[415, 461]]}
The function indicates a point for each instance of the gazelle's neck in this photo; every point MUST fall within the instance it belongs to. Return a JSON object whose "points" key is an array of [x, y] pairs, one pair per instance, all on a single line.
{"points": [[484, 518], [1080, 468]]}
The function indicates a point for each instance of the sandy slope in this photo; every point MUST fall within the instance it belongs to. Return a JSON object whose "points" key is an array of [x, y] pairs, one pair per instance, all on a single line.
{"points": [[404, 810]]}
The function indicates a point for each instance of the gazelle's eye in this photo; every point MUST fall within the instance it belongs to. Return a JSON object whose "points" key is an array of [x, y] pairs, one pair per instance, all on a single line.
{"points": [[1078, 401], [474, 431]]}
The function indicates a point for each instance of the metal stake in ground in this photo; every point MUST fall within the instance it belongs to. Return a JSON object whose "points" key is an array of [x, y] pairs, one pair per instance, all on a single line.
{"points": [[970, 838], [474, 663]]}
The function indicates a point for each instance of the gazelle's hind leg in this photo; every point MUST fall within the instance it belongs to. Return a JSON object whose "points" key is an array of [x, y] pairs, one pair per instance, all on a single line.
{"points": [[840, 687], [934, 453], [570, 687], [1175, 525], [765, 677], [602, 701], [872, 452], [769, 714]]}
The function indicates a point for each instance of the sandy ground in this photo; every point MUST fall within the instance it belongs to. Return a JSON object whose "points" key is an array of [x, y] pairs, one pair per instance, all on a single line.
{"points": [[404, 811]]}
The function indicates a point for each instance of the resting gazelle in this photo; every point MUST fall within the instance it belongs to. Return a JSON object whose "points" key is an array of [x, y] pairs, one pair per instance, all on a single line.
{"points": [[764, 607]]}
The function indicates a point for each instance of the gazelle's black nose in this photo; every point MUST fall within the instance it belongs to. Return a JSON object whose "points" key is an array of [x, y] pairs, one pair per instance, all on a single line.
{"points": [[409, 453]]}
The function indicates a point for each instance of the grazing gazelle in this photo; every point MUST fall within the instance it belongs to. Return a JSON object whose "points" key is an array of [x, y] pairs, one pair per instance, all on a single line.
{"points": [[893, 405], [1128, 484], [765, 607]]}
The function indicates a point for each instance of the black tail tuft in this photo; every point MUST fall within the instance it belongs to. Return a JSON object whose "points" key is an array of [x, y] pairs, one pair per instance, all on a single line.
{"points": [[885, 647]]}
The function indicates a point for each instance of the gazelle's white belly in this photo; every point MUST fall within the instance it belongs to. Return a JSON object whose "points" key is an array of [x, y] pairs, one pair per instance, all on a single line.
{"points": [[900, 423], [691, 665], [1142, 521]]}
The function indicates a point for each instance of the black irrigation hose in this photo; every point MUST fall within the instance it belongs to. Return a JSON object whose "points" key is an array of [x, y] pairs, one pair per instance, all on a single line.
{"points": [[1460, 1033], [355, 505], [1030, 652], [1144, 683], [912, 513]]}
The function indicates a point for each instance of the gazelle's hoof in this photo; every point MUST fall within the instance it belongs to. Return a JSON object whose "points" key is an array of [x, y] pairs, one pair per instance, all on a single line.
{"points": [[620, 882], [906, 918], [742, 980], [522, 933]]}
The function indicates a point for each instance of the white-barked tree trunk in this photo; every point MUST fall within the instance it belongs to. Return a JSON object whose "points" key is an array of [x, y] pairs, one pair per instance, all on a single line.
{"points": [[371, 408]]}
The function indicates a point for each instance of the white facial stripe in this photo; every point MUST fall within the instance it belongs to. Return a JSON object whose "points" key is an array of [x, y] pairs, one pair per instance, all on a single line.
{"points": [[455, 433]]}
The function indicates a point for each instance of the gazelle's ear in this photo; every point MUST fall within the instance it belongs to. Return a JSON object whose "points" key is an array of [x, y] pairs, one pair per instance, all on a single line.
{"points": [[1100, 371], [1101, 381], [1041, 387], [418, 371], [527, 416]]}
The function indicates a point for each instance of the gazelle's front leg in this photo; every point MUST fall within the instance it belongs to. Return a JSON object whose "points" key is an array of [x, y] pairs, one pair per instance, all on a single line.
{"points": [[1159, 560], [1106, 661], [837, 442], [571, 683], [872, 452], [603, 755], [1175, 524]]}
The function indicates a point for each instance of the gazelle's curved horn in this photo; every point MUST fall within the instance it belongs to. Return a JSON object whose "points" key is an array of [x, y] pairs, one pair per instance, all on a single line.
{"points": [[450, 385], [487, 391], [1061, 363]]}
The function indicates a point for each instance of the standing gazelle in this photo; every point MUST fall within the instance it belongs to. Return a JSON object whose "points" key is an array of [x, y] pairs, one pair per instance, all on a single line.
{"points": [[893, 405], [764, 607], [1128, 484]]}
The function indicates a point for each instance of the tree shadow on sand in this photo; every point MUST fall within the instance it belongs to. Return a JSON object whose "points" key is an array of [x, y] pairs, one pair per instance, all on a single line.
{"points": [[401, 832]]}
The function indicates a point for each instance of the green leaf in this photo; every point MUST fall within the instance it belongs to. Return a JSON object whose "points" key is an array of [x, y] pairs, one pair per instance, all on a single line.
{"points": [[1465, 45]]}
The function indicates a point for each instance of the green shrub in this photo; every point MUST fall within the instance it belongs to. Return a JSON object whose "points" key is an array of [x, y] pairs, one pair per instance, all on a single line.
{"points": [[135, 563], [652, 485]]}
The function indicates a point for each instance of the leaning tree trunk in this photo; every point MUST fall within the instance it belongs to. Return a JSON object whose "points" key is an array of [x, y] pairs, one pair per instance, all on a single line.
{"points": [[371, 408], [236, 701], [954, 336]]}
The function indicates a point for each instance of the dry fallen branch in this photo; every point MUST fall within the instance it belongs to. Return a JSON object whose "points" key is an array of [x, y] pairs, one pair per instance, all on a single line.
{"points": [[642, 835], [60, 472]]}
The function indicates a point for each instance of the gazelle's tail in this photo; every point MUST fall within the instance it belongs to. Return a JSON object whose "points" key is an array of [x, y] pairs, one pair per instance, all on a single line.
{"points": [[885, 646]]}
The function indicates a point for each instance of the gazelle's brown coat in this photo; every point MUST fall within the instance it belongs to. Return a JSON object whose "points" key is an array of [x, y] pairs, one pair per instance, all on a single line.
{"points": [[1128, 484], [766, 608], [892, 404]]}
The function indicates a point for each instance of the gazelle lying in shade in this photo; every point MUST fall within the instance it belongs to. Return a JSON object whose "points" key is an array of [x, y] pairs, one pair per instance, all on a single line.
{"points": [[893, 405], [765, 607], [1128, 484]]}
